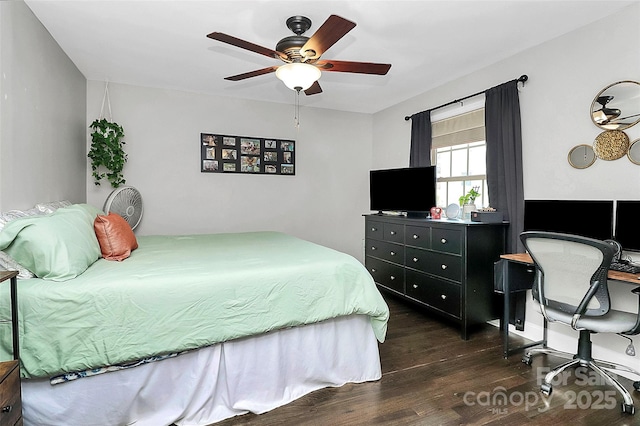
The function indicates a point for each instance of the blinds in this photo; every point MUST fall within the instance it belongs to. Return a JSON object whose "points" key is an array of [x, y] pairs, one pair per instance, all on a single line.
{"points": [[463, 128]]}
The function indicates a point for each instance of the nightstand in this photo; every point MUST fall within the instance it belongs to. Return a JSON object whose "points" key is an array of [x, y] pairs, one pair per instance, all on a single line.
{"points": [[12, 275], [10, 395]]}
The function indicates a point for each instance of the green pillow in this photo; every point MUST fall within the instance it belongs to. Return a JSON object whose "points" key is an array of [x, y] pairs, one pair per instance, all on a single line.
{"points": [[56, 247]]}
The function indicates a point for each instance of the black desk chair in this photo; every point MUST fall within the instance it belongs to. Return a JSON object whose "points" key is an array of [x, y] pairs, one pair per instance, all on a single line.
{"points": [[571, 288]]}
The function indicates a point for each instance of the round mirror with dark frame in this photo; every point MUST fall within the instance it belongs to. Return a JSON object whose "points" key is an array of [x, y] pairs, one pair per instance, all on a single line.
{"points": [[617, 106], [581, 156]]}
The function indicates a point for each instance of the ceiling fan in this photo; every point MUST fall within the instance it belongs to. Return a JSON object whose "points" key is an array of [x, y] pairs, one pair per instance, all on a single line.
{"points": [[302, 54]]}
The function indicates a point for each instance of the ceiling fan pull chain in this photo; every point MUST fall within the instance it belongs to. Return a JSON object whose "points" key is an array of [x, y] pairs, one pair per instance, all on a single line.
{"points": [[296, 113]]}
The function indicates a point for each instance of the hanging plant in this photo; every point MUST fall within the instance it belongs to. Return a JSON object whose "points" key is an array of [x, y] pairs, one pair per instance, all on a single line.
{"points": [[106, 152]]}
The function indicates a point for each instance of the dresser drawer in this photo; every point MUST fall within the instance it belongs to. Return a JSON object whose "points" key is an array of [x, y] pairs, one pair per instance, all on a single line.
{"points": [[384, 250], [418, 258], [444, 265], [438, 294], [10, 401], [446, 240], [386, 274], [393, 232], [418, 236], [374, 229]]}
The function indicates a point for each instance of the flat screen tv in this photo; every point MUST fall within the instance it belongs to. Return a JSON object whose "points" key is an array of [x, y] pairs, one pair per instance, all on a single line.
{"points": [[589, 218], [411, 190], [628, 225]]}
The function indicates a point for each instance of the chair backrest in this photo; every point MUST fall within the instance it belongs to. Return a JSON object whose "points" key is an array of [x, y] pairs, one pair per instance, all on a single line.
{"points": [[571, 271]]}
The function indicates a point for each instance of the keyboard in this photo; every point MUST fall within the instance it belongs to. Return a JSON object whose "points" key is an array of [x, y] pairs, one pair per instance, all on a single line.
{"points": [[625, 267]]}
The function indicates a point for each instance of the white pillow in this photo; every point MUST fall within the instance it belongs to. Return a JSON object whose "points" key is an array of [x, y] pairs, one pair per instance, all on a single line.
{"points": [[8, 263], [10, 215], [52, 206]]}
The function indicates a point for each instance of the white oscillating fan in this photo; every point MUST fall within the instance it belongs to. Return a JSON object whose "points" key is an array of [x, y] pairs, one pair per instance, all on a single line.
{"points": [[127, 202]]}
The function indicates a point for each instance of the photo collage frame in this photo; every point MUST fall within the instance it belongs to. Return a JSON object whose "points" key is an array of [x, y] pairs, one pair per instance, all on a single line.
{"points": [[244, 154]]}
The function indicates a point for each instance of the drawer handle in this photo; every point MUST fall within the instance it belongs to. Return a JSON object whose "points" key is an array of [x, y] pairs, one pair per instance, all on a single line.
{"points": [[6, 408], [415, 237], [531, 271], [392, 253], [415, 286], [373, 269], [373, 248], [443, 241], [444, 296], [443, 266], [393, 232], [392, 278], [374, 229], [415, 259]]}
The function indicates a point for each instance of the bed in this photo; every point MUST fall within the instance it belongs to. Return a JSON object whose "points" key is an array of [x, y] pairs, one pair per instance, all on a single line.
{"points": [[187, 329]]}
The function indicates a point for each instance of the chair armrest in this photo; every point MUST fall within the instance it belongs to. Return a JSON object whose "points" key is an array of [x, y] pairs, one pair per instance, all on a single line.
{"points": [[582, 307], [636, 328]]}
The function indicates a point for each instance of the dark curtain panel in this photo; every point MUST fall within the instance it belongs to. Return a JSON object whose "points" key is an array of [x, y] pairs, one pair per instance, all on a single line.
{"points": [[504, 158], [420, 155]]}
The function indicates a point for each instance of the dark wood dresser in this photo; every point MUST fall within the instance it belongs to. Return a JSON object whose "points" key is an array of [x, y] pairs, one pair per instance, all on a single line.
{"points": [[10, 395], [445, 266]]}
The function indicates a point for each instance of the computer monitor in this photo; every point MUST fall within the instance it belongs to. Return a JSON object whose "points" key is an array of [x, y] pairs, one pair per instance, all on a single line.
{"points": [[588, 218], [627, 225]]}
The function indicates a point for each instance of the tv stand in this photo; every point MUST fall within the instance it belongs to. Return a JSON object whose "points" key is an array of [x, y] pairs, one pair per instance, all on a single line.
{"points": [[443, 266]]}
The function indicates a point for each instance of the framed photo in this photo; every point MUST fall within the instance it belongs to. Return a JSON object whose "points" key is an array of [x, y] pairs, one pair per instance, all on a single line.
{"points": [[246, 155]]}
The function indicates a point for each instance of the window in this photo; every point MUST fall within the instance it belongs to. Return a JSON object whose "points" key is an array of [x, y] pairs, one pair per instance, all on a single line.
{"points": [[459, 152]]}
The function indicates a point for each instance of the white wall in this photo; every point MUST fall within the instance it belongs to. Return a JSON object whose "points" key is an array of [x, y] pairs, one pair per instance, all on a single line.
{"points": [[42, 120], [565, 75], [323, 202]]}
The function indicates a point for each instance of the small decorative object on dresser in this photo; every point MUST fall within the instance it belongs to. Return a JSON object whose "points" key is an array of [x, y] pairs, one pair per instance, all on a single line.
{"points": [[445, 267], [10, 399], [487, 215], [467, 202], [436, 212]]}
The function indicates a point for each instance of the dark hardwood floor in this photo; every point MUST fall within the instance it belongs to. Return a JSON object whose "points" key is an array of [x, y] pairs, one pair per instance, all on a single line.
{"points": [[432, 377]]}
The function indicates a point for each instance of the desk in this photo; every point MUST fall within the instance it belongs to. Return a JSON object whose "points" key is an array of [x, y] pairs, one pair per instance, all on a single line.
{"points": [[513, 273]]}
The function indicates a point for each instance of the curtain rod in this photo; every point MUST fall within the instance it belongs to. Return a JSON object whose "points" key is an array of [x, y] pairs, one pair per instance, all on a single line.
{"points": [[522, 79]]}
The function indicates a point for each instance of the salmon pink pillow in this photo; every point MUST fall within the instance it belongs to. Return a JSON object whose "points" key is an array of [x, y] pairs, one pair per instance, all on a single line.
{"points": [[115, 236]]}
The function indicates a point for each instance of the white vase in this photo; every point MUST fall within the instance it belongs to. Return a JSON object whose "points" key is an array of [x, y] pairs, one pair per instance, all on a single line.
{"points": [[466, 211]]}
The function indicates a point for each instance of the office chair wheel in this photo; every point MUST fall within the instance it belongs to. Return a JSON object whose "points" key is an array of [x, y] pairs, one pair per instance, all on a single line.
{"points": [[628, 409], [526, 359], [636, 385], [546, 389]]}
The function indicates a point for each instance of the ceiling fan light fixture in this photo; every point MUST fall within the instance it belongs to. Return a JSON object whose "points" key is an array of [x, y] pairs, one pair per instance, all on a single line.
{"points": [[298, 76]]}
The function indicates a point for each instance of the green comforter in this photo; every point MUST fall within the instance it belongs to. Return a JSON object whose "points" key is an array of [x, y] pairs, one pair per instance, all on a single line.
{"points": [[182, 292]]}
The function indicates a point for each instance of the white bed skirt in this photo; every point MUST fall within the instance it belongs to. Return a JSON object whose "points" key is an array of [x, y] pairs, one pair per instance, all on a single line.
{"points": [[211, 384]]}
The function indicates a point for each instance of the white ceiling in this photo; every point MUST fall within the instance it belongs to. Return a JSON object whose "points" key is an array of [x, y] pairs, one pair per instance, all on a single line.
{"points": [[163, 44]]}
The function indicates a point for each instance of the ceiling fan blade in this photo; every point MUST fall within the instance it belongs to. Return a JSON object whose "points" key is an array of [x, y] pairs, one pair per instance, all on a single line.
{"points": [[314, 89], [243, 44], [355, 67], [332, 30], [251, 74]]}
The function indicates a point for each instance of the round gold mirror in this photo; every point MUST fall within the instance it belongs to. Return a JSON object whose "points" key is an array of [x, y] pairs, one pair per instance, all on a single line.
{"points": [[617, 106], [611, 144], [581, 156], [634, 152]]}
